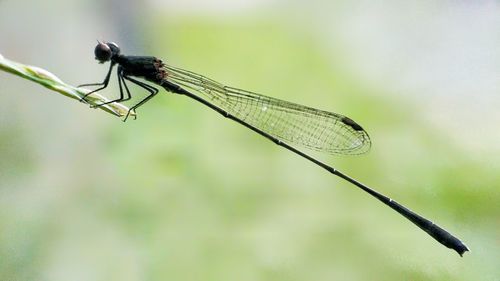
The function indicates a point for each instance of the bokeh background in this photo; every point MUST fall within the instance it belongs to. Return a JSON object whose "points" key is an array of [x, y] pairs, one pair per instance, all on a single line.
{"points": [[183, 194]]}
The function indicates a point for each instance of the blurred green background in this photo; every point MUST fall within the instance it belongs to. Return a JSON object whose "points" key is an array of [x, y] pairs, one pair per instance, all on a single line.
{"points": [[183, 194]]}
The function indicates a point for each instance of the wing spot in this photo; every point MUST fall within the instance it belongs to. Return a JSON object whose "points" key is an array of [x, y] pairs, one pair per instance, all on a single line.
{"points": [[348, 121]]}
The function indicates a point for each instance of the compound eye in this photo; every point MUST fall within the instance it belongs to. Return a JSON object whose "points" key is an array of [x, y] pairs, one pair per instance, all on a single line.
{"points": [[102, 52], [114, 48]]}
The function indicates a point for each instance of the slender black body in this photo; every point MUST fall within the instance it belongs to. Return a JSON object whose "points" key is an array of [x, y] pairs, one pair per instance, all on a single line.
{"points": [[351, 136]]}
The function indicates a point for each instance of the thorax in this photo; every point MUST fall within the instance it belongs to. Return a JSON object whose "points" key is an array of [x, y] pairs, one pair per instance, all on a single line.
{"points": [[140, 66]]}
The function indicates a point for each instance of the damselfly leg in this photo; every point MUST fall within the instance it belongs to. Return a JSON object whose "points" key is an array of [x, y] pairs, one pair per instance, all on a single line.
{"points": [[104, 84]]}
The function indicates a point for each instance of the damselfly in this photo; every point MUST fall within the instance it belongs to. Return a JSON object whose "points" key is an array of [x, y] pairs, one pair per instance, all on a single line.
{"points": [[282, 122]]}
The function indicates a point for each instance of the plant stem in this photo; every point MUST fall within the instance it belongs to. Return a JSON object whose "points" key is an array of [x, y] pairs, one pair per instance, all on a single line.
{"points": [[50, 81]]}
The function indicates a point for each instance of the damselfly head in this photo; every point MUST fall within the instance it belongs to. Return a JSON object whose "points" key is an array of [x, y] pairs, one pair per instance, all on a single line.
{"points": [[104, 51], [114, 48]]}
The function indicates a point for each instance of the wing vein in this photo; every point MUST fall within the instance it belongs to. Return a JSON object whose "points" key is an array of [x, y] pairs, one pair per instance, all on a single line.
{"points": [[289, 122]]}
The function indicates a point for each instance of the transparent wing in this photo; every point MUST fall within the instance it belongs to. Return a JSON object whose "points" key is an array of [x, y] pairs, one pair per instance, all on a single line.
{"points": [[289, 122]]}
